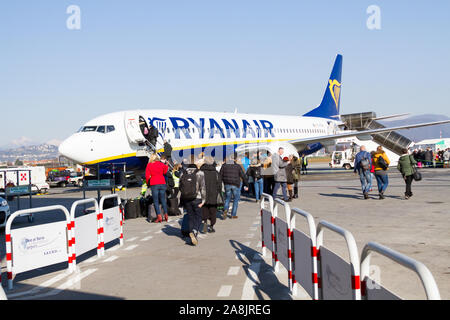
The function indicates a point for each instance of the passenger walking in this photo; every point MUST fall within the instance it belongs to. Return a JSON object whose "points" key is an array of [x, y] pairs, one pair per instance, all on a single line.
{"points": [[290, 178], [232, 174], [267, 173], [155, 177], [213, 188], [446, 158], [255, 172], [362, 165], [428, 157], [279, 168], [193, 195], [153, 135], [176, 173], [381, 165], [296, 163], [406, 165], [168, 151]]}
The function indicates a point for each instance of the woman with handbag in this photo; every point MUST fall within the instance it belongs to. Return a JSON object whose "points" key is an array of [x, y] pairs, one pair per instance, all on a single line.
{"points": [[406, 165]]}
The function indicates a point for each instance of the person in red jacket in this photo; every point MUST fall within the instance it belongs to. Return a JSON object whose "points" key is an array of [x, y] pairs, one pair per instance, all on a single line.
{"points": [[154, 175]]}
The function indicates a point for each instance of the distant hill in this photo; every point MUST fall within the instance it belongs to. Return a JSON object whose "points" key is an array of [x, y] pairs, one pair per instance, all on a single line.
{"points": [[418, 134], [38, 152]]}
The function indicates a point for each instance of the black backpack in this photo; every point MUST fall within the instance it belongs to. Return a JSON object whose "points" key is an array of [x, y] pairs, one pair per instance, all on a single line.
{"points": [[188, 185], [382, 163]]}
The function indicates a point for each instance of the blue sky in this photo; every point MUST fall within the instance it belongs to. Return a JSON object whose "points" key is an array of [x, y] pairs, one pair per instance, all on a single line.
{"points": [[258, 56]]}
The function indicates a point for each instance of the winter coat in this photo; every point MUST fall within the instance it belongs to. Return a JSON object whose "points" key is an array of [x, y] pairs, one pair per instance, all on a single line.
{"points": [[213, 183], [200, 183], [405, 165], [232, 173], [254, 171], [155, 172], [279, 168], [289, 173], [167, 150], [359, 156], [377, 156]]}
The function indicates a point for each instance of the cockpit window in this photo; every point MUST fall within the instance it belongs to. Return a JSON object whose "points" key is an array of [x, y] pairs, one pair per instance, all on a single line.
{"points": [[89, 129], [101, 129], [110, 128]]}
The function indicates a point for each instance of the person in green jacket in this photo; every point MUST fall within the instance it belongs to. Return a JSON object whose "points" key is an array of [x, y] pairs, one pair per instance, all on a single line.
{"points": [[406, 165]]}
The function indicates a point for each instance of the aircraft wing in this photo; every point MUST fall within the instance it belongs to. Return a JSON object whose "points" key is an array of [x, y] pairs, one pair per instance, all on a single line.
{"points": [[359, 134]]}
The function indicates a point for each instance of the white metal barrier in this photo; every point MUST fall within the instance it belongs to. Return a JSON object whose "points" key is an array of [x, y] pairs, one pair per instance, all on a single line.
{"points": [[267, 227], [111, 222], [86, 233], [376, 292], [283, 240], [305, 255], [36, 246], [338, 280]]}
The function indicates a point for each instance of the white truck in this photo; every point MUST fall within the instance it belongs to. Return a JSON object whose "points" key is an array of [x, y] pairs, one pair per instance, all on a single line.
{"points": [[343, 159], [20, 176]]}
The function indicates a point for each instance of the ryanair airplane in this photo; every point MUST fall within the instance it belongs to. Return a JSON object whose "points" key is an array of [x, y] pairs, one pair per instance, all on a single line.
{"points": [[118, 137]]}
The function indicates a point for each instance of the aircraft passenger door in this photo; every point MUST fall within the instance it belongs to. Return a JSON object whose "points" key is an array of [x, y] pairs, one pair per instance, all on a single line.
{"points": [[133, 128]]}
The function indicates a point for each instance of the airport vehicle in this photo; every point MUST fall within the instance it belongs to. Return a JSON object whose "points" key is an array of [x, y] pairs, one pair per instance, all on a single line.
{"points": [[343, 159], [9, 177], [4, 211], [58, 178], [76, 179], [118, 136]]}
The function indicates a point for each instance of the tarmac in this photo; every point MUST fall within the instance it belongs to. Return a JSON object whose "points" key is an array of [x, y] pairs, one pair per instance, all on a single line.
{"points": [[156, 263]]}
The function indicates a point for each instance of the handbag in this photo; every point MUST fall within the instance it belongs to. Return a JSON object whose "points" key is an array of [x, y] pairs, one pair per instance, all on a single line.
{"points": [[417, 176]]}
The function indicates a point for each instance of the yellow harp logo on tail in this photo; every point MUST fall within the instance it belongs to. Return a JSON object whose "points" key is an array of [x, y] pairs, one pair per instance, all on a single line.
{"points": [[335, 90]]}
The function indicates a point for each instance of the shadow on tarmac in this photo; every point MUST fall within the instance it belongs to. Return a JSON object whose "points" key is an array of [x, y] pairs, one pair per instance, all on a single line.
{"points": [[268, 282]]}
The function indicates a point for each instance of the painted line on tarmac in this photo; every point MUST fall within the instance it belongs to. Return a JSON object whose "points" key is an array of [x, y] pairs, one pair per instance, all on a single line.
{"points": [[74, 280], [225, 291], [250, 235], [111, 259], [131, 239], [40, 287], [147, 232], [147, 238], [132, 247], [252, 228], [248, 291], [233, 271]]}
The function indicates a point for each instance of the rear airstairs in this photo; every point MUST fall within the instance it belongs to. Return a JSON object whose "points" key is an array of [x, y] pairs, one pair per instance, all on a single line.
{"points": [[366, 121]]}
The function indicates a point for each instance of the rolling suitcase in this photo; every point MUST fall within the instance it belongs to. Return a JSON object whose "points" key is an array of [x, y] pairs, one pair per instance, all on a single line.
{"points": [[131, 208]]}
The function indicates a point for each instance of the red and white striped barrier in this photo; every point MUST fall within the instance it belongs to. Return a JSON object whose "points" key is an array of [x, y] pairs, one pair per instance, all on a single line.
{"points": [[36, 246], [377, 292], [86, 231], [111, 222], [283, 243], [337, 279], [268, 227], [305, 255]]}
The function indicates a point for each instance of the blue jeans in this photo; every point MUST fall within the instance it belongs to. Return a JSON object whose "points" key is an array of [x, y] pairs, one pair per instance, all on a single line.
{"points": [[283, 189], [236, 191], [259, 187], [382, 182], [366, 180], [159, 197]]}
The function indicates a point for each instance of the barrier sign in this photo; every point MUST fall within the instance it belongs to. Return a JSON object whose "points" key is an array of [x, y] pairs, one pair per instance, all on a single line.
{"points": [[303, 264], [282, 244], [111, 224], [336, 276], [86, 233], [104, 183], [39, 246], [20, 190], [374, 291], [266, 220]]}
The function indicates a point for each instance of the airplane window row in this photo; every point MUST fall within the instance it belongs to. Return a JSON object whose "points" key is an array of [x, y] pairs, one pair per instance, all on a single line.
{"points": [[101, 129], [258, 130]]}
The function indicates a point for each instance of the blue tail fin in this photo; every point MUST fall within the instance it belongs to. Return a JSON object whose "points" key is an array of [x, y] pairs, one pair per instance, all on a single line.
{"points": [[329, 107]]}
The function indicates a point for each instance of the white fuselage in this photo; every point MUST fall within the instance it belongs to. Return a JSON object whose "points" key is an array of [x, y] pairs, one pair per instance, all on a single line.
{"points": [[189, 132]]}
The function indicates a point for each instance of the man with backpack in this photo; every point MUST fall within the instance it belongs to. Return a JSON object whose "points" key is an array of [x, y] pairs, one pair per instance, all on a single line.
{"points": [[193, 195], [362, 165]]}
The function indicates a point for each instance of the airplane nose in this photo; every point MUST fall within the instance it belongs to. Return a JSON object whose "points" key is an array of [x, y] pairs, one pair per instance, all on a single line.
{"points": [[68, 148]]}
